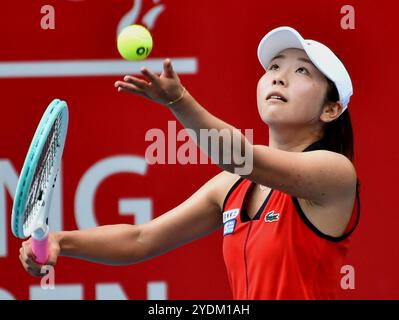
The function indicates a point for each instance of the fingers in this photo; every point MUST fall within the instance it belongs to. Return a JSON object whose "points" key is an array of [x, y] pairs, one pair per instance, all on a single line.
{"points": [[152, 86], [136, 85], [168, 68], [149, 75], [27, 255], [26, 251], [129, 87], [34, 271], [139, 83], [27, 259]]}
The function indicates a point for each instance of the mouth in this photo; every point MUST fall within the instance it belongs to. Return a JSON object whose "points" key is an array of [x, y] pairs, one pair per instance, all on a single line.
{"points": [[276, 96]]}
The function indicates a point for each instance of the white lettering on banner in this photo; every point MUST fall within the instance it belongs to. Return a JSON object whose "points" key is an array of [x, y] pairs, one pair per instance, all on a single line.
{"points": [[131, 17], [151, 16], [60, 292], [156, 290], [140, 208], [110, 291], [56, 206], [92, 179], [96, 68], [8, 180], [5, 295]]}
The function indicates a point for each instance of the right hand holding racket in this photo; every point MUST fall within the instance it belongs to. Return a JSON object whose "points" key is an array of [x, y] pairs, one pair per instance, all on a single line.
{"points": [[27, 257]]}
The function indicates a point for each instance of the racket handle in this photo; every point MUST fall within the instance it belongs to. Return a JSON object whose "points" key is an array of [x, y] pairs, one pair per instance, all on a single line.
{"points": [[40, 249]]}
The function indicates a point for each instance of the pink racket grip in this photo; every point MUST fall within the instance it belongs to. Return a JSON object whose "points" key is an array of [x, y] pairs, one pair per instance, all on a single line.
{"points": [[40, 249]]}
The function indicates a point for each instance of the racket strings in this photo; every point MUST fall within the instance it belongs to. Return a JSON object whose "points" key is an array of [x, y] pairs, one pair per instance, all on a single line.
{"points": [[43, 172]]}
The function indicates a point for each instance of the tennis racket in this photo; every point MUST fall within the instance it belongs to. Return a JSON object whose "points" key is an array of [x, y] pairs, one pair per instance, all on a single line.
{"points": [[37, 180]]}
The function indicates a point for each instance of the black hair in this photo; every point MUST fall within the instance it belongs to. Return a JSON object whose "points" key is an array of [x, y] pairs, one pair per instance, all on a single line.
{"points": [[338, 134]]}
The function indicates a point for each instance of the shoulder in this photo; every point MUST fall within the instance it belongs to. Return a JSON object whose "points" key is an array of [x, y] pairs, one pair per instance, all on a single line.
{"points": [[220, 185], [340, 161], [339, 164], [331, 216], [320, 176]]}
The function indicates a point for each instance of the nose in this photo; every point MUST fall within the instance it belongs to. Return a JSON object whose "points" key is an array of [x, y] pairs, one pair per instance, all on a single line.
{"points": [[280, 78], [280, 81]]}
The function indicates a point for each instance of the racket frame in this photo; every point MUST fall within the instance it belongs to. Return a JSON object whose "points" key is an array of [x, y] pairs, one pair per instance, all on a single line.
{"points": [[38, 228]]}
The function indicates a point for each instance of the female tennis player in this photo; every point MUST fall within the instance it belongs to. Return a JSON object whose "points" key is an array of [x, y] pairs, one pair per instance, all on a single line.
{"points": [[287, 223]]}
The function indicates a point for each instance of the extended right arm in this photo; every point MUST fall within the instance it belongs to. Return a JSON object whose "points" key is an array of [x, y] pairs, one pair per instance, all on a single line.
{"points": [[124, 244]]}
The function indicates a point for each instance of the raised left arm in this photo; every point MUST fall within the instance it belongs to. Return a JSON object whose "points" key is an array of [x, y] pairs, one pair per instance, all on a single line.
{"points": [[319, 176]]}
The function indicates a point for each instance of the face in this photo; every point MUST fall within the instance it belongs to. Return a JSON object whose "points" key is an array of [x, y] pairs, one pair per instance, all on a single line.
{"points": [[291, 75]]}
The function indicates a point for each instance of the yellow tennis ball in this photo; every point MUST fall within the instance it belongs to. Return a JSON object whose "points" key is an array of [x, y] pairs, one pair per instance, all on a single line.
{"points": [[134, 42]]}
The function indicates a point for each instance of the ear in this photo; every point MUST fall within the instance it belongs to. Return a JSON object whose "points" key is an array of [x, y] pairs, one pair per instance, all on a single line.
{"points": [[331, 111]]}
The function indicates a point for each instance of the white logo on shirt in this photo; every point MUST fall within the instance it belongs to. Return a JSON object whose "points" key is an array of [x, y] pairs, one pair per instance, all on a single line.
{"points": [[230, 215]]}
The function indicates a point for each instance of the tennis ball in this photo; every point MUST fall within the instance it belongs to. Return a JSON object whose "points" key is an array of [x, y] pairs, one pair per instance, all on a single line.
{"points": [[134, 42]]}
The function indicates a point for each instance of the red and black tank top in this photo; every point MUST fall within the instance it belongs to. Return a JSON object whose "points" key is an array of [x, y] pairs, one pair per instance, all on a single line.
{"points": [[280, 254]]}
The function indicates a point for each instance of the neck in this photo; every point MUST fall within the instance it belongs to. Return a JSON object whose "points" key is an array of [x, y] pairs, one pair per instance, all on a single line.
{"points": [[293, 141]]}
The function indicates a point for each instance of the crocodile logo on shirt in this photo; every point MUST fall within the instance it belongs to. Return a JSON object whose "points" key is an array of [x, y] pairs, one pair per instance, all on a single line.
{"points": [[271, 216]]}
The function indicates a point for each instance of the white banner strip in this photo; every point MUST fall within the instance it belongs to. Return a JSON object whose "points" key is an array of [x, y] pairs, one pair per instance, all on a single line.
{"points": [[85, 68]]}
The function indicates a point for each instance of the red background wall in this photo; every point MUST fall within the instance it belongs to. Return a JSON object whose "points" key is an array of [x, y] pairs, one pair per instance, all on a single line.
{"points": [[223, 37]]}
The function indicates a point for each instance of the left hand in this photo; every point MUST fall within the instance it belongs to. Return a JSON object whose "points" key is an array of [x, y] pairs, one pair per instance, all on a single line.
{"points": [[162, 89]]}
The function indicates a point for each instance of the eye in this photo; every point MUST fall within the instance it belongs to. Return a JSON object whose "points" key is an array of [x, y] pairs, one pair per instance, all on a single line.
{"points": [[272, 66], [304, 69]]}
